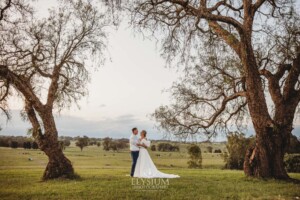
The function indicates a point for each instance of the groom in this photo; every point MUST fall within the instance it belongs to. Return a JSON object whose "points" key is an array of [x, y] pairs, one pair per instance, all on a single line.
{"points": [[134, 149]]}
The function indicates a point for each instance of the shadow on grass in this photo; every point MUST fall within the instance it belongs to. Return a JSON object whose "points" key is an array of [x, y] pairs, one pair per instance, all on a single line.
{"points": [[73, 177], [293, 180]]}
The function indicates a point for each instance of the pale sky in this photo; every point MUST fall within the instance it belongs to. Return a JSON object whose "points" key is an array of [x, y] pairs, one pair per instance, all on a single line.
{"points": [[122, 93]]}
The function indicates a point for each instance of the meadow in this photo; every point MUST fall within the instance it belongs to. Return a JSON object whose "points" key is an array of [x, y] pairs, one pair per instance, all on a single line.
{"points": [[105, 175]]}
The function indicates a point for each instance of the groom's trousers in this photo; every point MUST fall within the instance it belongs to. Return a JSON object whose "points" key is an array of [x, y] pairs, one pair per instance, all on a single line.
{"points": [[134, 156]]}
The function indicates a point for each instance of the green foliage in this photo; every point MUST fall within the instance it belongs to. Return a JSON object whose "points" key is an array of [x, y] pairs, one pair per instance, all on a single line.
{"points": [[106, 143], [115, 145], [209, 149], [195, 161], [67, 143], [5, 141], [14, 144], [82, 142], [237, 145], [27, 145], [35, 145], [294, 146], [153, 147], [218, 151], [64, 143], [292, 163], [167, 147]]}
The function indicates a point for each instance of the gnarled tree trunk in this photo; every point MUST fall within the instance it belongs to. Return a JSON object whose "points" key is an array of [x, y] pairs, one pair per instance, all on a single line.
{"points": [[265, 159], [59, 166]]}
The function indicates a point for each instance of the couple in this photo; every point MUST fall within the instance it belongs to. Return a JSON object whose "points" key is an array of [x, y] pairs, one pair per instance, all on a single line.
{"points": [[142, 164]]}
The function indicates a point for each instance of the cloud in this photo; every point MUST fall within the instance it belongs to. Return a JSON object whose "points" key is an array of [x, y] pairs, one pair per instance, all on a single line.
{"points": [[102, 105], [75, 126]]}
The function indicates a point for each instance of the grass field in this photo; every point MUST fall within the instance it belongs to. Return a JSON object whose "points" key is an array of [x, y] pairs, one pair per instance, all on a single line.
{"points": [[104, 175]]}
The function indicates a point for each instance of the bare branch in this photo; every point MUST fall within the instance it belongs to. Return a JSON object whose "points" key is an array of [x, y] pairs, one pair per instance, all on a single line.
{"points": [[2, 10]]}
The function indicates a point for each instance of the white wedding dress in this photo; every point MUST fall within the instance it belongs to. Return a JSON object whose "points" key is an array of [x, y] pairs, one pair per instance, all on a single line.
{"points": [[145, 167]]}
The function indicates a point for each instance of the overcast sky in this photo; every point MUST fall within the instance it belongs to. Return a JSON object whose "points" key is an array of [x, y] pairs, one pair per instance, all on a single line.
{"points": [[122, 93]]}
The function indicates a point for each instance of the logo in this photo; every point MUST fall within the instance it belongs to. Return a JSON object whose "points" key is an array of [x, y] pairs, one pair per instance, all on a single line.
{"points": [[150, 183]]}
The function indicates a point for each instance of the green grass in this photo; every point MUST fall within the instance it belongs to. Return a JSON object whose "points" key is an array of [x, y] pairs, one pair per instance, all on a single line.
{"points": [[103, 176]]}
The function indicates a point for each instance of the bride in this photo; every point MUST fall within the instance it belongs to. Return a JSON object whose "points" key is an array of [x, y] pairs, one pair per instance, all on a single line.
{"points": [[145, 167]]}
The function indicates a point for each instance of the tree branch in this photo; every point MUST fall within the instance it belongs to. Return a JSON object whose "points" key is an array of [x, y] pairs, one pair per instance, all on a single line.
{"points": [[206, 13], [257, 5], [228, 37], [2, 10], [274, 87], [292, 78], [36, 133], [21, 84]]}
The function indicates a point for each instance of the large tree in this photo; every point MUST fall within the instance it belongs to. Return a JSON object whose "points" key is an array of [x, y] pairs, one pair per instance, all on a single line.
{"points": [[44, 62], [242, 60]]}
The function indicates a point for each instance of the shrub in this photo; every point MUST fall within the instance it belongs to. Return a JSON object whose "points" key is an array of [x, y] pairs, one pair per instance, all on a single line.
{"points": [[292, 163], [35, 145], [5, 141], [195, 161], [167, 147], [14, 144], [237, 145], [121, 144], [218, 151], [62, 145], [67, 143], [106, 143], [209, 149], [153, 147], [294, 146], [82, 142], [115, 145], [27, 145]]}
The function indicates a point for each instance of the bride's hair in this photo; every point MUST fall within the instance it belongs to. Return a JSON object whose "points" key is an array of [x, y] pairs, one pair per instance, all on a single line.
{"points": [[144, 132]]}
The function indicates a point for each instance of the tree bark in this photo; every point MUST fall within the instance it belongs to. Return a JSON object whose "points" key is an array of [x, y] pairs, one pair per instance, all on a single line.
{"points": [[58, 165], [265, 159], [273, 136]]}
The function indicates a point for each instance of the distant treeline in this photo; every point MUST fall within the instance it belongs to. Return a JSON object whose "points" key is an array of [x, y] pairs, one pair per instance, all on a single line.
{"points": [[166, 147], [28, 142], [18, 142]]}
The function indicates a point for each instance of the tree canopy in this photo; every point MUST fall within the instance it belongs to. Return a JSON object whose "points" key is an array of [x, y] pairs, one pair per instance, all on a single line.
{"points": [[206, 37]]}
